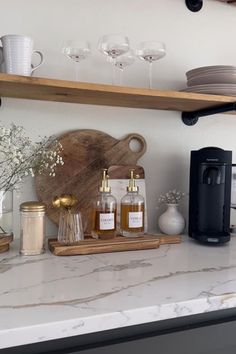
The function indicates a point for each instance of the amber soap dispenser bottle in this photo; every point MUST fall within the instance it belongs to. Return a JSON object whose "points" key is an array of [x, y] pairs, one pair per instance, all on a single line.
{"points": [[132, 210], [104, 218]]}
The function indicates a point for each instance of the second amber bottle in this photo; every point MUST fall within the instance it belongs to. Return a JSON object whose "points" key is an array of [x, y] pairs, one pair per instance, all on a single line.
{"points": [[132, 210]]}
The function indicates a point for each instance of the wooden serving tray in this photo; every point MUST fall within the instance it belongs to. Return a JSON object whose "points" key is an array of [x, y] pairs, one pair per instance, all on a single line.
{"points": [[85, 152], [118, 244], [5, 243]]}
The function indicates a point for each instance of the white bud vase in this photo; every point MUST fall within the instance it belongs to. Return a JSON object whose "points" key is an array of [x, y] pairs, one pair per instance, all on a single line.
{"points": [[171, 222]]}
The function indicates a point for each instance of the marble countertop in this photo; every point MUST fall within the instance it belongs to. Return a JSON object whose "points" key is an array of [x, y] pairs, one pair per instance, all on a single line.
{"points": [[47, 297]]}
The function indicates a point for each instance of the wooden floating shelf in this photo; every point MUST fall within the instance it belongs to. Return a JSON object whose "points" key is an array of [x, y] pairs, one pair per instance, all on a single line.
{"points": [[44, 89]]}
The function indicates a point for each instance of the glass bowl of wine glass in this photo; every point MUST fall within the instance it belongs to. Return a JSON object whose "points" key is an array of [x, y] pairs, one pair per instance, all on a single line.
{"points": [[113, 46], [77, 51], [150, 52], [123, 61]]}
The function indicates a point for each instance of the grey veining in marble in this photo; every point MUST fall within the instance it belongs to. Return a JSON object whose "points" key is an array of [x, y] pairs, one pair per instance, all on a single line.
{"points": [[47, 297]]}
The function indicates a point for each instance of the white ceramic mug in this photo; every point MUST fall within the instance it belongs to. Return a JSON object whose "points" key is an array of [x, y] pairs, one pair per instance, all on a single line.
{"points": [[16, 54], [2, 66]]}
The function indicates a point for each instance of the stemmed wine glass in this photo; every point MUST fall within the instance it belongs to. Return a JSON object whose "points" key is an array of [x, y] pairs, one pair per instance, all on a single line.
{"points": [[77, 51], [113, 45], [150, 52], [123, 61]]}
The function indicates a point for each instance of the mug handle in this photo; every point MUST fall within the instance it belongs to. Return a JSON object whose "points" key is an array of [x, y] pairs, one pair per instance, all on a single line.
{"points": [[1, 55], [41, 60]]}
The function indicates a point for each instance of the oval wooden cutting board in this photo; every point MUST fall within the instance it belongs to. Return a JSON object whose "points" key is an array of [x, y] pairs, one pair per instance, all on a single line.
{"points": [[85, 153]]}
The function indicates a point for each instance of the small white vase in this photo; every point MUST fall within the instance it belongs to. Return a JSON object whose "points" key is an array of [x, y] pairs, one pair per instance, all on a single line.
{"points": [[171, 222]]}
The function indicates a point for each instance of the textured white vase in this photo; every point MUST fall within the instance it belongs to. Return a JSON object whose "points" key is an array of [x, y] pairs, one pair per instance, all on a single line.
{"points": [[171, 222]]}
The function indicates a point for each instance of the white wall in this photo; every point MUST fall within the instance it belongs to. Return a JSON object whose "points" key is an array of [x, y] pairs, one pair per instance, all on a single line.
{"points": [[192, 40]]}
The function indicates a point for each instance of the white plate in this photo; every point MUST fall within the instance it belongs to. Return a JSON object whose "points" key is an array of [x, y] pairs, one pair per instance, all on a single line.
{"points": [[210, 69], [215, 89], [218, 78]]}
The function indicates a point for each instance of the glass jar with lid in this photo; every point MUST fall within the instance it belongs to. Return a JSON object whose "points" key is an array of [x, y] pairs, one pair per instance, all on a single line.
{"points": [[32, 226]]}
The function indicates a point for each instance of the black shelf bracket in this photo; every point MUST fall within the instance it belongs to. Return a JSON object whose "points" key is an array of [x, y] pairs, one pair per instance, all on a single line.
{"points": [[191, 118], [0, 101], [194, 5]]}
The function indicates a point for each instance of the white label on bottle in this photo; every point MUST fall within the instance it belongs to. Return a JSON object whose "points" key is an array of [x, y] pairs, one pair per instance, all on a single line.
{"points": [[135, 219], [107, 221]]}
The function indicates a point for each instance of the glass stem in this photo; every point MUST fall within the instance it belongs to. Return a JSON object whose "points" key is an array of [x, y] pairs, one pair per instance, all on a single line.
{"points": [[77, 71], [121, 77], [113, 71], [150, 74], [2, 230]]}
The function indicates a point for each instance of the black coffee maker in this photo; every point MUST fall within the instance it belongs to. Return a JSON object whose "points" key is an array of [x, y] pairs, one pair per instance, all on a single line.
{"points": [[210, 194]]}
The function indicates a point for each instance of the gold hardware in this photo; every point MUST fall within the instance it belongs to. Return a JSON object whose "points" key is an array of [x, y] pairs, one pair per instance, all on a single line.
{"points": [[32, 206], [65, 200], [132, 186], [104, 186]]}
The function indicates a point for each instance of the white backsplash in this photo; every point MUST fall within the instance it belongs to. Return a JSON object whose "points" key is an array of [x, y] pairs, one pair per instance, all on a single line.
{"points": [[192, 40]]}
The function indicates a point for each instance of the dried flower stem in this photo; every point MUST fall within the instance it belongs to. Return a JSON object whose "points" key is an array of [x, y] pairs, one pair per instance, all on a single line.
{"points": [[171, 197], [20, 157]]}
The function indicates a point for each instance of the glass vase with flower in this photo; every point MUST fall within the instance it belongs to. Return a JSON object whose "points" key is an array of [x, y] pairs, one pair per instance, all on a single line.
{"points": [[21, 157]]}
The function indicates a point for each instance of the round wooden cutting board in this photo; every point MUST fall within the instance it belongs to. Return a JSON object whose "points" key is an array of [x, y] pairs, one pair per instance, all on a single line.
{"points": [[85, 153]]}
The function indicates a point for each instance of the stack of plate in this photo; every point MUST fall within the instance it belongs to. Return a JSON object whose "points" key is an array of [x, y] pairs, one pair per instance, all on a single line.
{"points": [[218, 80]]}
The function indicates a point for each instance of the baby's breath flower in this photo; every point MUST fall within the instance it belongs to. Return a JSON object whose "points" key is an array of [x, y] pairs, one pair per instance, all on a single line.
{"points": [[171, 197], [20, 157]]}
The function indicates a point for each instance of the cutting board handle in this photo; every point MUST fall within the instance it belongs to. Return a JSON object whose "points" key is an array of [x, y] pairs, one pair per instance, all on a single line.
{"points": [[140, 139]]}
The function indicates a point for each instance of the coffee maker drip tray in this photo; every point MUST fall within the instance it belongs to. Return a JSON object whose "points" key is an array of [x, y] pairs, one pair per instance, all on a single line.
{"points": [[214, 238]]}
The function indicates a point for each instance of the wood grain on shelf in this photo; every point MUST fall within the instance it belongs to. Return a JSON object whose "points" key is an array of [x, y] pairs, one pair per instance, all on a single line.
{"points": [[108, 95], [118, 244]]}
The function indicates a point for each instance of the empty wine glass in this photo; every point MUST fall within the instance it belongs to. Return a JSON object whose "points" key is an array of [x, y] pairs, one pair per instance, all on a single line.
{"points": [[123, 61], [77, 51], [151, 51], [113, 45]]}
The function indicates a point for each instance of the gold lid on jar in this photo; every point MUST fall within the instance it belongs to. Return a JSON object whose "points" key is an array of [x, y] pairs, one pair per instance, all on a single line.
{"points": [[32, 206]]}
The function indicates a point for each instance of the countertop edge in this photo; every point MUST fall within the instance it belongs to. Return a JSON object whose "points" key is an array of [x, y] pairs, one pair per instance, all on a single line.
{"points": [[87, 325]]}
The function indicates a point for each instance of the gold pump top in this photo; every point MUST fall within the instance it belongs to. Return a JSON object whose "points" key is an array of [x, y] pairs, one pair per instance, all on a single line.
{"points": [[132, 185], [104, 186]]}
